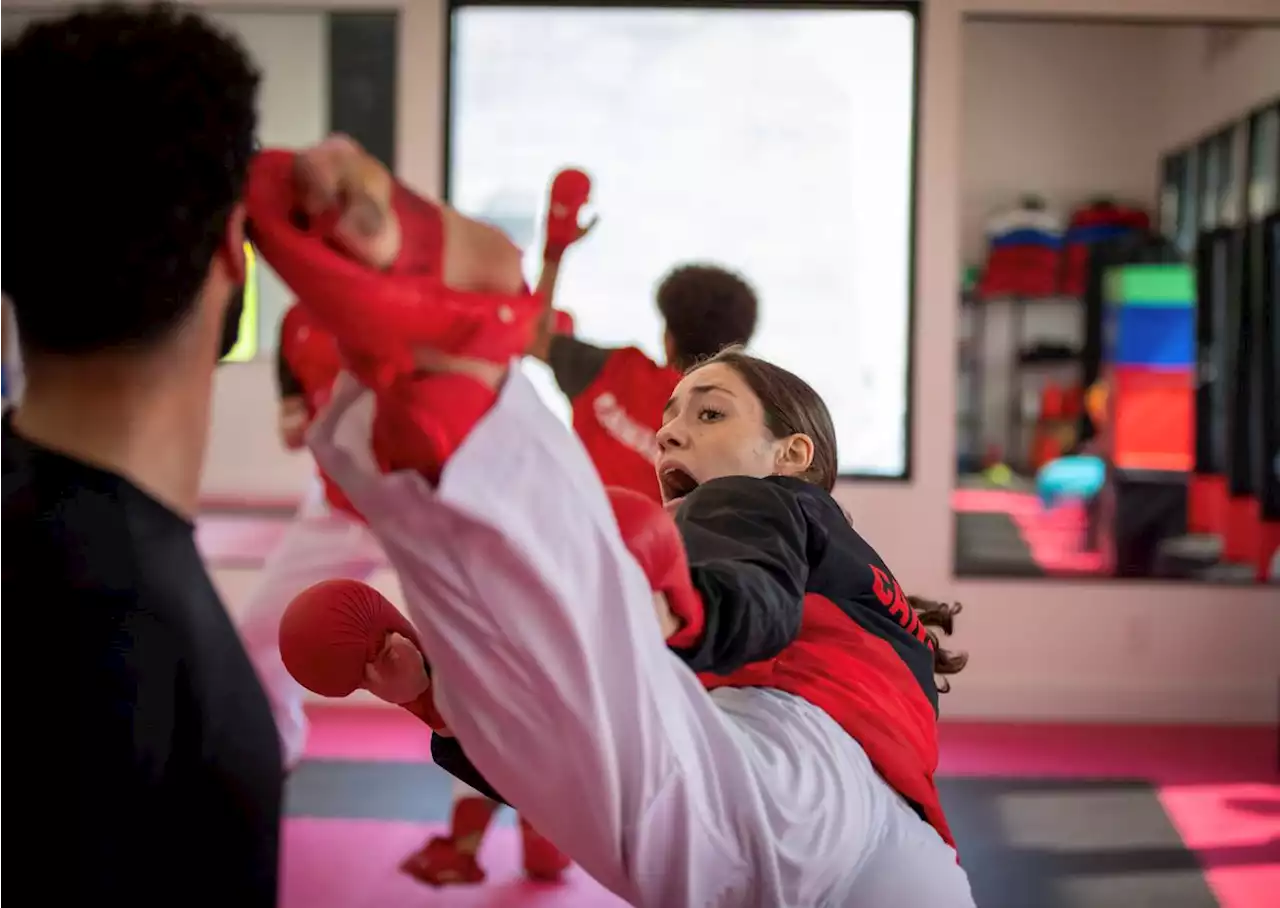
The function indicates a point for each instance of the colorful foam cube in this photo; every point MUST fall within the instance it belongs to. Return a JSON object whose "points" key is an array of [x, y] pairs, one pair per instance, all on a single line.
{"points": [[1151, 285], [1162, 337], [1151, 418]]}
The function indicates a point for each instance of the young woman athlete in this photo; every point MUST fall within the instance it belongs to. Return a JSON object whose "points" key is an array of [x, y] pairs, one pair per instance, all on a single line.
{"points": [[804, 777]]}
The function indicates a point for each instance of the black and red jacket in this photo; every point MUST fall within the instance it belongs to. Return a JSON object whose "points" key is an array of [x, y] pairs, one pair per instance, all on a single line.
{"points": [[618, 396], [796, 600]]}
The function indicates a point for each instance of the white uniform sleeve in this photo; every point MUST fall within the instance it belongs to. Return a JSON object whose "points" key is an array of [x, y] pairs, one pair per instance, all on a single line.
{"points": [[552, 672]]}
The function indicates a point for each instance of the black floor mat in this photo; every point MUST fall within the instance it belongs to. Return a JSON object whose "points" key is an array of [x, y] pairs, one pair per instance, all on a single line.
{"points": [[1063, 843], [1026, 843]]}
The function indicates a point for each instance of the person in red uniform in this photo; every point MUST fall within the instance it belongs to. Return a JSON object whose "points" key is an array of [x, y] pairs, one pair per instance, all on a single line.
{"points": [[618, 393]]}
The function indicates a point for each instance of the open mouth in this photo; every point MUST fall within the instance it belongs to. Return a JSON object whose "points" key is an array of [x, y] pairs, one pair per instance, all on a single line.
{"points": [[676, 483]]}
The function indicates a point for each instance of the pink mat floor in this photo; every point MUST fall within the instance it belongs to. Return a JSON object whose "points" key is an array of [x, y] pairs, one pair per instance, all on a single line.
{"points": [[1218, 785]]}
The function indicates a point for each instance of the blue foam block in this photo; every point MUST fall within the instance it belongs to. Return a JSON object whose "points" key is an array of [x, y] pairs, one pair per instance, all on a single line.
{"points": [[1161, 336], [1067, 478]]}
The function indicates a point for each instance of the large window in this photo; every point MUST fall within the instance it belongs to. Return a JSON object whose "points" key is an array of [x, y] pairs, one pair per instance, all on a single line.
{"points": [[775, 141]]}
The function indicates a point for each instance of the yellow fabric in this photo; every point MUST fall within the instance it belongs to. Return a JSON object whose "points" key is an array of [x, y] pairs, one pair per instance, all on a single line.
{"points": [[246, 347]]}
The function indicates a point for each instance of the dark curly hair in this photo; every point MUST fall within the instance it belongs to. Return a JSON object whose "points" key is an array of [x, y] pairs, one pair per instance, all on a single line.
{"points": [[131, 129], [706, 309]]}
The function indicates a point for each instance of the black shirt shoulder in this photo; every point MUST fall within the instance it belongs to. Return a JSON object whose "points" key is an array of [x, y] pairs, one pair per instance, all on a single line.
{"points": [[747, 542], [847, 569], [159, 770], [576, 364]]}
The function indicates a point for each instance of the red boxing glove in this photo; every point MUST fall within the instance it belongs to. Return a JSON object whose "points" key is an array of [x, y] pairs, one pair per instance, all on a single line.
{"points": [[562, 323], [570, 190], [652, 537], [331, 631]]}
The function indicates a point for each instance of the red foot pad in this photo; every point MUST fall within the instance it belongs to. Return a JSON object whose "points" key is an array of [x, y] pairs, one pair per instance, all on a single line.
{"points": [[381, 314], [332, 630], [420, 421], [441, 863], [542, 860]]}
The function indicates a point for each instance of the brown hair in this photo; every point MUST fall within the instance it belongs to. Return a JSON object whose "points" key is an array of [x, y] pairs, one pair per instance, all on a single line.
{"points": [[940, 615], [705, 308], [791, 407]]}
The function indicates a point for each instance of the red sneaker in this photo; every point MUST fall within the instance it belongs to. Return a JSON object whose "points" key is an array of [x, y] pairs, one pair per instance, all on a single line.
{"points": [[441, 863], [542, 860]]}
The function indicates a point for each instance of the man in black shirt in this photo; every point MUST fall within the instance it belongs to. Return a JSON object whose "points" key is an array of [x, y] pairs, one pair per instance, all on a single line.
{"points": [[149, 755]]}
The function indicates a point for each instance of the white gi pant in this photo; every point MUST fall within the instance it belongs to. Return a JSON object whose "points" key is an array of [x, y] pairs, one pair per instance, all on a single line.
{"points": [[552, 672]]}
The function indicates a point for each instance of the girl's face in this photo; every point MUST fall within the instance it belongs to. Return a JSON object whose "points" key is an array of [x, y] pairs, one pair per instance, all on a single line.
{"points": [[714, 426]]}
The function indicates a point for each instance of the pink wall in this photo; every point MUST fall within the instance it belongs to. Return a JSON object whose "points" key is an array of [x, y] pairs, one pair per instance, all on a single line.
{"points": [[1092, 650], [1068, 110], [1214, 75]]}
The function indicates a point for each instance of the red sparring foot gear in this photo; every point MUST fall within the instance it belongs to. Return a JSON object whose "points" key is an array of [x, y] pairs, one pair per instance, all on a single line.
{"points": [[652, 537], [332, 630], [570, 190], [379, 318], [440, 863], [542, 860]]}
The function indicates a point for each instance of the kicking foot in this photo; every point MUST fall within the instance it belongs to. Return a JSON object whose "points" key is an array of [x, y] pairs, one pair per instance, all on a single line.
{"points": [[543, 861], [441, 863]]}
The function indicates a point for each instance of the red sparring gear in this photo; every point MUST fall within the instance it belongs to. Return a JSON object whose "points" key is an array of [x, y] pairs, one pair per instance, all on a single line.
{"points": [[654, 540], [332, 630], [562, 323], [543, 861], [441, 862], [379, 318], [570, 190]]}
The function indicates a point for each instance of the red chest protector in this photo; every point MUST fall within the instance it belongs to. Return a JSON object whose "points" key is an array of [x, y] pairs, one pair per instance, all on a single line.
{"points": [[618, 418], [860, 681]]}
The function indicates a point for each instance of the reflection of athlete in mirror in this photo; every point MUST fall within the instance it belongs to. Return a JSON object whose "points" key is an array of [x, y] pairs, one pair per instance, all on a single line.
{"points": [[618, 393]]}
